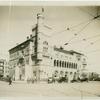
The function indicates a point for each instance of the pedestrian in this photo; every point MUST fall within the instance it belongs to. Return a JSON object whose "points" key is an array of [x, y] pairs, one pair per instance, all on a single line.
{"points": [[10, 81]]}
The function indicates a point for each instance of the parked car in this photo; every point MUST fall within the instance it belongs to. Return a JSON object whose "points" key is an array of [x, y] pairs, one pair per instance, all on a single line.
{"points": [[62, 79], [97, 78], [83, 79]]}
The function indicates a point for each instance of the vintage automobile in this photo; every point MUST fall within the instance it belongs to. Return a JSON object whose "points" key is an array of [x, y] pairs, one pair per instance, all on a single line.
{"points": [[57, 79], [62, 79], [83, 77]]}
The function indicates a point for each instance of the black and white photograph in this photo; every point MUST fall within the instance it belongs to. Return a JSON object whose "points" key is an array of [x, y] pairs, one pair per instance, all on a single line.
{"points": [[49, 50]]}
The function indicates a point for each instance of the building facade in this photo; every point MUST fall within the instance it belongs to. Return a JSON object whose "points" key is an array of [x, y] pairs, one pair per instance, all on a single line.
{"points": [[4, 68], [20, 60], [36, 58]]}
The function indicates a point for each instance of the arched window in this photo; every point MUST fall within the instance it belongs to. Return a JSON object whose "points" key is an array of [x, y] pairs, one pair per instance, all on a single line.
{"points": [[55, 63], [60, 63], [69, 65], [65, 64]]}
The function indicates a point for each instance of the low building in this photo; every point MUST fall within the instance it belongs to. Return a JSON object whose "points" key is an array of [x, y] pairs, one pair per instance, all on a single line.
{"points": [[36, 59]]}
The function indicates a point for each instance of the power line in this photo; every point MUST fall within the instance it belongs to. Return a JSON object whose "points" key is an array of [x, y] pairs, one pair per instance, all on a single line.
{"points": [[86, 39], [86, 12], [68, 28], [92, 43], [74, 26], [94, 51], [76, 34], [95, 17], [80, 32], [56, 33]]}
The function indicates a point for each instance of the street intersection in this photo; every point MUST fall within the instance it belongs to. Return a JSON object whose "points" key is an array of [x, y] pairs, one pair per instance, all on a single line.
{"points": [[21, 89]]}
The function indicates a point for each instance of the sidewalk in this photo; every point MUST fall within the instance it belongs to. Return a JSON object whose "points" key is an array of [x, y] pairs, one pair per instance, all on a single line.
{"points": [[25, 82], [20, 82]]}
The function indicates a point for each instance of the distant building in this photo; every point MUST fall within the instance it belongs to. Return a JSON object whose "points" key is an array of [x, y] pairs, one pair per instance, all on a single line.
{"points": [[4, 68], [36, 58]]}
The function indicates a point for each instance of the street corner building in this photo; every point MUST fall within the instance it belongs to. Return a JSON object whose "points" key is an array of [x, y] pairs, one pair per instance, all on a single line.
{"points": [[35, 58]]}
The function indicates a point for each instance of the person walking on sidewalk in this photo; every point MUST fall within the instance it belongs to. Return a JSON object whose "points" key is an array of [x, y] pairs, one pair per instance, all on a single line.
{"points": [[10, 81]]}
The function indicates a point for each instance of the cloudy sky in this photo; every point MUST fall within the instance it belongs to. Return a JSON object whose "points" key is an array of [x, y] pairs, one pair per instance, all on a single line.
{"points": [[83, 35]]}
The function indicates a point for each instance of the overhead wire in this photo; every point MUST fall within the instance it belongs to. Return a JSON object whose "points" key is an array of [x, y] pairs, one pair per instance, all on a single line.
{"points": [[71, 28], [84, 26], [90, 20], [86, 39], [54, 33], [96, 17], [79, 32], [86, 11], [81, 23], [91, 43], [93, 51]]}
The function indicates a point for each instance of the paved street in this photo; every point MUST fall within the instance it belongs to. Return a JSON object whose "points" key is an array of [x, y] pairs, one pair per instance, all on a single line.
{"points": [[17, 89]]}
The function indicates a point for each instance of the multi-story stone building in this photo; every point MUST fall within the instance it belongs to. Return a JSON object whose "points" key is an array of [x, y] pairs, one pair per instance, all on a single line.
{"points": [[36, 58], [4, 68]]}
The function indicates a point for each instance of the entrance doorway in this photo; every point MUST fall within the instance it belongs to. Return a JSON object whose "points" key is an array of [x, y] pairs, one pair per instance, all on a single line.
{"points": [[21, 64]]}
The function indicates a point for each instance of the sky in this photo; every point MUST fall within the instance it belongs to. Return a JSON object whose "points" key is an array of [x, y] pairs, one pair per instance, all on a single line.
{"points": [[16, 24]]}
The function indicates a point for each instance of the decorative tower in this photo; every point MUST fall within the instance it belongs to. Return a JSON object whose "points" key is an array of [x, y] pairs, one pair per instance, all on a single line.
{"points": [[41, 45], [37, 44]]}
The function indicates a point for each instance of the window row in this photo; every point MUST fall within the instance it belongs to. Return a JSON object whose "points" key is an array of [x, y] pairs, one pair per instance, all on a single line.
{"points": [[65, 64], [20, 52]]}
